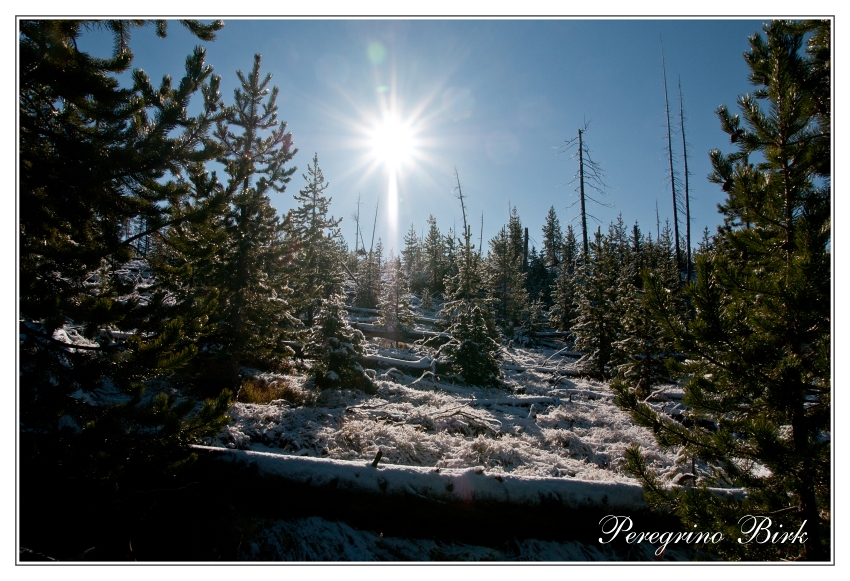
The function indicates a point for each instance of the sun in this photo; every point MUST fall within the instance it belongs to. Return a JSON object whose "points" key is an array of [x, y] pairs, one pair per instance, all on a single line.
{"points": [[392, 142]]}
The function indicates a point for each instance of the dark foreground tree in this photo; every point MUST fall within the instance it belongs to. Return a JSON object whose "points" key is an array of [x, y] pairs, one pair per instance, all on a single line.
{"points": [[97, 158], [103, 167], [757, 375]]}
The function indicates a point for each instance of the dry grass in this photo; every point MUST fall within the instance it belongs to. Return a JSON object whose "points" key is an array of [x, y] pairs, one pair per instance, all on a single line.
{"points": [[265, 391]]}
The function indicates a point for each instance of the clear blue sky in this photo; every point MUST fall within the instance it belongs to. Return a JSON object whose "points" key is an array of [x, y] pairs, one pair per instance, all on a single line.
{"points": [[494, 98]]}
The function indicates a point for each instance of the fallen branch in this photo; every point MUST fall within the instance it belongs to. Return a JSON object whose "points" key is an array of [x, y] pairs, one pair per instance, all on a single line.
{"points": [[565, 354], [422, 363]]}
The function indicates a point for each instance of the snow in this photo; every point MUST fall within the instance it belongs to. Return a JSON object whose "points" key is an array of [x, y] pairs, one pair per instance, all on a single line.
{"points": [[545, 425], [317, 539], [445, 485]]}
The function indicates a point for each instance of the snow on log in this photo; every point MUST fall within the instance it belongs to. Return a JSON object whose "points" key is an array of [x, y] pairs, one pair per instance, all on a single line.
{"points": [[423, 363], [471, 485], [394, 335], [511, 400], [376, 312], [540, 369]]}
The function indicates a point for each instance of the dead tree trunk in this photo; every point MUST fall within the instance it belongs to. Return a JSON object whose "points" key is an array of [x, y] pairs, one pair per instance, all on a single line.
{"points": [[672, 172]]}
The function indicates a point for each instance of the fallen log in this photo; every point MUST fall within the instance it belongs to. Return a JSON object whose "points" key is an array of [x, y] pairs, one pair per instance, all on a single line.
{"points": [[376, 312], [542, 369], [406, 336], [422, 363]]}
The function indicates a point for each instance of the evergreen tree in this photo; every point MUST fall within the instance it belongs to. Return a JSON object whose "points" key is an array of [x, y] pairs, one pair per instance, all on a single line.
{"points": [[255, 317], [643, 351], [642, 348], [434, 260], [473, 349], [599, 322], [334, 346], [758, 366], [563, 313], [638, 254], [107, 160], [515, 239], [95, 158], [533, 323], [662, 261], [552, 239], [412, 258], [539, 279], [450, 253], [395, 310], [316, 273], [569, 250], [368, 293], [505, 282]]}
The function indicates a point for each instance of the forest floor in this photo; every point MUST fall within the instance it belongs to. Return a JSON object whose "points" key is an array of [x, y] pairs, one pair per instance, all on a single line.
{"points": [[546, 423]]}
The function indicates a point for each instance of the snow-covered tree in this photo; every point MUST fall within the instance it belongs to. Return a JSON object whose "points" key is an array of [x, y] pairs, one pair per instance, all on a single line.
{"points": [[254, 315], [533, 323], [368, 292], [315, 274], [563, 312], [505, 282], [552, 239], [434, 258], [472, 350], [599, 322], [396, 312], [413, 261], [334, 346]]}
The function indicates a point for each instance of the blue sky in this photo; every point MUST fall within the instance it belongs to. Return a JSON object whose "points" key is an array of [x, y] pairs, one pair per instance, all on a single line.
{"points": [[494, 98]]}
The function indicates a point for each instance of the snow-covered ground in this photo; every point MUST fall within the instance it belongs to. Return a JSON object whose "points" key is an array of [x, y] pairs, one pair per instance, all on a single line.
{"points": [[317, 539], [546, 425]]}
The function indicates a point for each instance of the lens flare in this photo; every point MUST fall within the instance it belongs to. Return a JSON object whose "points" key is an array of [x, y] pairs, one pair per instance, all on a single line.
{"points": [[392, 142]]}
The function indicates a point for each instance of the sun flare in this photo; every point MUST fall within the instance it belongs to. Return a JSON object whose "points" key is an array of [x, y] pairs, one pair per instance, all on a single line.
{"points": [[392, 142]]}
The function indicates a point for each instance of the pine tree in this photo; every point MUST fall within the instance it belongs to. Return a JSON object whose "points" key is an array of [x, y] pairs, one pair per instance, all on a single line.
{"points": [[334, 346], [505, 282], [316, 273], [539, 278], [533, 323], [255, 318], [473, 349], [368, 292], [434, 261], [570, 250], [563, 313], [412, 259], [395, 310], [599, 322], [450, 249], [515, 239], [552, 239], [757, 349], [107, 161], [642, 353]]}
